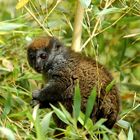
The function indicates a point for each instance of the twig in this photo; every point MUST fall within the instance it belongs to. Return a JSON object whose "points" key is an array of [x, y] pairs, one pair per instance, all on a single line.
{"points": [[40, 24]]}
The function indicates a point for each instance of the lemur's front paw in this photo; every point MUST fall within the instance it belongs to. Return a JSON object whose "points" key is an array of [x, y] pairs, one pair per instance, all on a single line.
{"points": [[36, 94], [33, 102]]}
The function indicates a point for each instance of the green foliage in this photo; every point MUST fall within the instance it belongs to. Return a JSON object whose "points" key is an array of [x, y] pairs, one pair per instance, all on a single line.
{"points": [[109, 86], [60, 114], [7, 132], [90, 104], [110, 35], [85, 3], [130, 134], [77, 102]]}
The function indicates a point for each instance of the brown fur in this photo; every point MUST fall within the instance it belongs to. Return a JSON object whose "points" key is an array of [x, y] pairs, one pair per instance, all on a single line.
{"points": [[39, 43]]}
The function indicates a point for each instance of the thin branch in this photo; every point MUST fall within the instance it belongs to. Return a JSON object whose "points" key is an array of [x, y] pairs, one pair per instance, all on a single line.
{"points": [[40, 24]]}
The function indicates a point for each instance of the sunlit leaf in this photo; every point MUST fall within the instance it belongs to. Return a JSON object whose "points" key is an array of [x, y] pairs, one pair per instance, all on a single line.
{"points": [[123, 123], [7, 132], [4, 26], [45, 122], [85, 3], [21, 4], [130, 134], [7, 64], [122, 135], [109, 11], [37, 124]]}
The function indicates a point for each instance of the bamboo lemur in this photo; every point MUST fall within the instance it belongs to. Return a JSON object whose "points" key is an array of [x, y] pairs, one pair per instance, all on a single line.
{"points": [[61, 68]]}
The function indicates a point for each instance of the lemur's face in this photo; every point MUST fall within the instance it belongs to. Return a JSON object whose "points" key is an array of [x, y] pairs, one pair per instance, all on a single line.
{"points": [[40, 50]]}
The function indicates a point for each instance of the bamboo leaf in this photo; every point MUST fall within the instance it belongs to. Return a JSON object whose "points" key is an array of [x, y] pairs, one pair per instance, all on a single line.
{"points": [[123, 124], [109, 11], [109, 86], [7, 106], [130, 134], [45, 122], [89, 125], [99, 123], [67, 114], [5, 26], [7, 132], [122, 135], [85, 3], [77, 102], [90, 104], [131, 87], [60, 114], [37, 124]]}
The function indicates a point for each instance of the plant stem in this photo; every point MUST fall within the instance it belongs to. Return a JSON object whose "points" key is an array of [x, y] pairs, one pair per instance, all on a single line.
{"points": [[76, 39]]}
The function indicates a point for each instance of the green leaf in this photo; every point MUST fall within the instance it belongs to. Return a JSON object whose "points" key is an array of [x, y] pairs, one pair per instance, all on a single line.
{"points": [[122, 135], [4, 26], [130, 134], [37, 124], [99, 123], [7, 132], [109, 86], [85, 3], [45, 122], [105, 137], [109, 11], [21, 4], [123, 124], [67, 114], [89, 125], [60, 114], [90, 104], [131, 87], [7, 106], [77, 102]]}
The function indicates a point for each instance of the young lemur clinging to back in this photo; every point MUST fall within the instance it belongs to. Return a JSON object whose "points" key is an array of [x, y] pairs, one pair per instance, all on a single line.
{"points": [[61, 68]]}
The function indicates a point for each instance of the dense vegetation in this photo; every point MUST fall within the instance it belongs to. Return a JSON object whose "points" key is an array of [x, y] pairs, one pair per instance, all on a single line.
{"points": [[113, 25]]}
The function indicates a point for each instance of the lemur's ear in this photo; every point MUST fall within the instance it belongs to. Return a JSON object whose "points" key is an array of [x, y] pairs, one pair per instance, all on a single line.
{"points": [[56, 43]]}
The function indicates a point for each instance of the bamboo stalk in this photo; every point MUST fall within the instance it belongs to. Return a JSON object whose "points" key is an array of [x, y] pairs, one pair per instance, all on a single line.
{"points": [[77, 33]]}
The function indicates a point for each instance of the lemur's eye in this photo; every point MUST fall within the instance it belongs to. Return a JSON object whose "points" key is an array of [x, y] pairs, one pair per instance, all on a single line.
{"points": [[43, 55], [58, 46]]}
